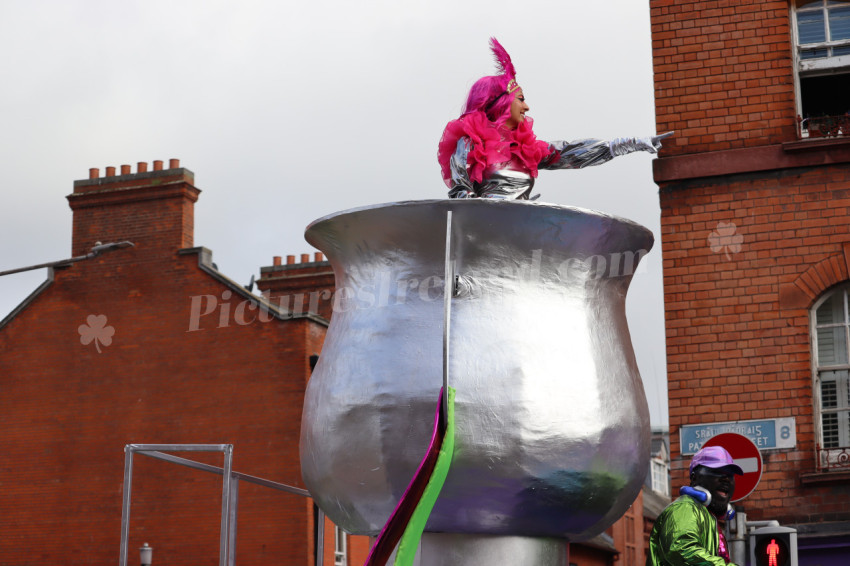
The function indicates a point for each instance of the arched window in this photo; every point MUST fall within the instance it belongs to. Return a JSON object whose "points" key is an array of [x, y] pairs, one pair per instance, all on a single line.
{"points": [[831, 341]]}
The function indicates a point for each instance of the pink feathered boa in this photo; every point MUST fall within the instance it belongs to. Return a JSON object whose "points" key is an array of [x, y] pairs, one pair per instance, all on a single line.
{"points": [[491, 145]]}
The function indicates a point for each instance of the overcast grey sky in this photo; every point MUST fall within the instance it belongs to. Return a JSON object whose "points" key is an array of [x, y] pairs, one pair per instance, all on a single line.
{"points": [[288, 111]]}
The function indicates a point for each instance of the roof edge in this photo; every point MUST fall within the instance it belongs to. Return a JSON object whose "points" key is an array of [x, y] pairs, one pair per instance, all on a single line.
{"points": [[206, 264], [31, 297]]}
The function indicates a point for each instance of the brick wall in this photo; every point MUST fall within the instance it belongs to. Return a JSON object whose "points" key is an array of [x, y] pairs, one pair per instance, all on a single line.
{"points": [[628, 537], [745, 257], [723, 74], [300, 287], [73, 394], [586, 555]]}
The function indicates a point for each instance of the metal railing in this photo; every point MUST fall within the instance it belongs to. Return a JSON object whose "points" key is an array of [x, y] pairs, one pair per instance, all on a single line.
{"points": [[830, 459], [229, 499], [824, 126]]}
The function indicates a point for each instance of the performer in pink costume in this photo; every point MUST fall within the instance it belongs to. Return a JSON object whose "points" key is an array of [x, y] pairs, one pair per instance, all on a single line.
{"points": [[491, 150]]}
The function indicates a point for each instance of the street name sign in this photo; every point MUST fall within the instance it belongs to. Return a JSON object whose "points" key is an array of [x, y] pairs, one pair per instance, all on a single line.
{"points": [[767, 434]]}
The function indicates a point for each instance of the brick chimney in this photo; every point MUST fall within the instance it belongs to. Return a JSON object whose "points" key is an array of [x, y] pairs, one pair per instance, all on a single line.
{"points": [[153, 209], [299, 287]]}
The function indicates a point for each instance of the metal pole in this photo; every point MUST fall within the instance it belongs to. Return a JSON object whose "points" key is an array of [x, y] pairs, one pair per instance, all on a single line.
{"points": [[125, 504], [225, 505], [234, 506], [181, 447], [95, 251], [448, 291], [320, 538], [738, 545], [220, 471]]}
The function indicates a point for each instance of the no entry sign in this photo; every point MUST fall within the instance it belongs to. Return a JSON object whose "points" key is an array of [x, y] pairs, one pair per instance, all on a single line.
{"points": [[746, 455]]}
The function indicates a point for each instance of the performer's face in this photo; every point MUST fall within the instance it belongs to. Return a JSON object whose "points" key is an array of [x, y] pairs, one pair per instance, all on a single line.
{"points": [[721, 484], [518, 110]]}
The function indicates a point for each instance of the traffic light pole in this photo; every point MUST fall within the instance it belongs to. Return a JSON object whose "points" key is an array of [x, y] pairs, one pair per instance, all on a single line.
{"points": [[738, 543]]}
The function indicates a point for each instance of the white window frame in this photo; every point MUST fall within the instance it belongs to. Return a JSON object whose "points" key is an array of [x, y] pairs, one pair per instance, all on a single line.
{"points": [[804, 68], [829, 456], [340, 547], [660, 476]]}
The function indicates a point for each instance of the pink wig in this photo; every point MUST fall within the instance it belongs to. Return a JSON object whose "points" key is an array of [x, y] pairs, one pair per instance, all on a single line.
{"points": [[493, 95], [490, 96]]}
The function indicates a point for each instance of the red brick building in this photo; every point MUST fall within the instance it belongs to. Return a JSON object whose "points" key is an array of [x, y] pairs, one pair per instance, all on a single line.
{"points": [[755, 199], [150, 344]]}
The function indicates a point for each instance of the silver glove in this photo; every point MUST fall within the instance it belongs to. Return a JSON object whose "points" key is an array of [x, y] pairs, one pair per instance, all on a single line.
{"points": [[623, 146]]}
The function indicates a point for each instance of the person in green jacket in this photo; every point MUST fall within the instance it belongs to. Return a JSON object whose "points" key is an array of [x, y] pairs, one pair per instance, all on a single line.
{"points": [[686, 533]]}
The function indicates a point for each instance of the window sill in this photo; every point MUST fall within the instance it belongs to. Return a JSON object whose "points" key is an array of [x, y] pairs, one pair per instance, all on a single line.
{"points": [[770, 158], [816, 143], [823, 478]]}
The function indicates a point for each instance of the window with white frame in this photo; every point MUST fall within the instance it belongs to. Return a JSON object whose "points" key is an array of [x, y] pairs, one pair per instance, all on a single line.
{"points": [[660, 477], [822, 31], [831, 326], [340, 547]]}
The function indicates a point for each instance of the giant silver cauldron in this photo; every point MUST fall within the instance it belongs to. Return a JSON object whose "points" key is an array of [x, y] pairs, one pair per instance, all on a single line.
{"points": [[552, 424]]}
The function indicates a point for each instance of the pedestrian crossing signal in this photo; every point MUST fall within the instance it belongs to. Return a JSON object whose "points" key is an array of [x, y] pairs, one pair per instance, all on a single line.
{"points": [[773, 546], [771, 553]]}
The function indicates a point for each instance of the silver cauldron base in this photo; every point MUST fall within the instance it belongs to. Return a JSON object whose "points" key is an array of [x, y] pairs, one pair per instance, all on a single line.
{"points": [[448, 549], [552, 436]]}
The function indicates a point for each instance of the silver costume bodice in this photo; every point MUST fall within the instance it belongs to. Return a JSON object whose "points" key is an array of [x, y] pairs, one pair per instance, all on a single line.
{"points": [[502, 181]]}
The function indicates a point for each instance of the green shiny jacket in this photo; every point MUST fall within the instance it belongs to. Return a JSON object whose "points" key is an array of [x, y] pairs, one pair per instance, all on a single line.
{"points": [[685, 534]]}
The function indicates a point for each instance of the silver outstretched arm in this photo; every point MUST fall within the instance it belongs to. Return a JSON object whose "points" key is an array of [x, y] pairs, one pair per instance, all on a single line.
{"points": [[589, 152], [577, 154]]}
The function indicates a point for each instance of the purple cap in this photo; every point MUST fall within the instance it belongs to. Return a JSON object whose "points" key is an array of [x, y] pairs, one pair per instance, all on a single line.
{"points": [[715, 457]]}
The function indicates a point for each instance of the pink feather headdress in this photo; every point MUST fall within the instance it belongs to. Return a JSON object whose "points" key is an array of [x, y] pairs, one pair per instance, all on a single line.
{"points": [[506, 67]]}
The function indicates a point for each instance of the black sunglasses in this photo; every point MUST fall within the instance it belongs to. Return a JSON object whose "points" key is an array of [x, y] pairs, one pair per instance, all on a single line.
{"points": [[716, 473]]}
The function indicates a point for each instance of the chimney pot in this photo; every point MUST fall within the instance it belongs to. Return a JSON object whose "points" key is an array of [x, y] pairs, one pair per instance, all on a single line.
{"points": [[318, 256], [277, 260], [102, 204], [305, 258], [173, 163], [157, 165], [142, 167], [290, 259]]}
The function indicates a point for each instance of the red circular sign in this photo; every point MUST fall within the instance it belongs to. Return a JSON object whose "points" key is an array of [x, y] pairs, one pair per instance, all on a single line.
{"points": [[746, 455]]}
